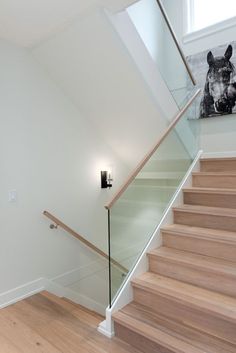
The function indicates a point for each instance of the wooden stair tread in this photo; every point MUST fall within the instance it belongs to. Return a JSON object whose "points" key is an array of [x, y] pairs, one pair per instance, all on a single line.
{"points": [[210, 190], [187, 301], [178, 329], [214, 174], [201, 233], [220, 159], [208, 301], [155, 334], [217, 211], [195, 260], [218, 179], [218, 164]]}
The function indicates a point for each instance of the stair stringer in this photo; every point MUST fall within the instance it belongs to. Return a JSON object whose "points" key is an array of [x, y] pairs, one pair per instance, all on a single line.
{"points": [[125, 296]]}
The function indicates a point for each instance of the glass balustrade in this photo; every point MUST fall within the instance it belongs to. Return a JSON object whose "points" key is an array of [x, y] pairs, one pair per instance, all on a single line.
{"points": [[153, 27], [134, 217]]}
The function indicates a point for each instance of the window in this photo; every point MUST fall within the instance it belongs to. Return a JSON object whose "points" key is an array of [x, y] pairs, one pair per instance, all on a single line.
{"points": [[204, 13]]}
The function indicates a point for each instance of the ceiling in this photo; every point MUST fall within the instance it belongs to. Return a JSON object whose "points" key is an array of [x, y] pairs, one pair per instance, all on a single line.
{"points": [[28, 22]]}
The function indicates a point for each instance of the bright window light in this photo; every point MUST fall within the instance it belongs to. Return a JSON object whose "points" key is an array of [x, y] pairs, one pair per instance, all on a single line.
{"points": [[205, 13]]}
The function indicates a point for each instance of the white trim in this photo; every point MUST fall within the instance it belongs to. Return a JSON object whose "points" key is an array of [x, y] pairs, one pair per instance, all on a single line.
{"points": [[16, 294], [54, 288], [225, 154], [116, 6], [188, 6], [27, 290], [83, 300], [125, 296], [103, 328], [207, 31], [61, 291]]}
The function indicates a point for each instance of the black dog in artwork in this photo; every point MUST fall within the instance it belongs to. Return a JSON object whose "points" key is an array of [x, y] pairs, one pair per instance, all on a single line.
{"points": [[219, 94]]}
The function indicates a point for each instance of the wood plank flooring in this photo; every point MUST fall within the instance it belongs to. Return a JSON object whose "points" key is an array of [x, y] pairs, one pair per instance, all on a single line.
{"points": [[45, 323]]}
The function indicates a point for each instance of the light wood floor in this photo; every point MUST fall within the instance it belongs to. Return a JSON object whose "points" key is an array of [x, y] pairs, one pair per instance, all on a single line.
{"points": [[44, 323]]}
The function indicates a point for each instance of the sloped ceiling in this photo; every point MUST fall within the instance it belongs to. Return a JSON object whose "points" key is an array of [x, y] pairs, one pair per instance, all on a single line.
{"points": [[29, 22]]}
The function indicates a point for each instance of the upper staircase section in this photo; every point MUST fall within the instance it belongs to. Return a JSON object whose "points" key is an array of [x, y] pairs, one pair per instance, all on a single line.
{"points": [[186, 303]]}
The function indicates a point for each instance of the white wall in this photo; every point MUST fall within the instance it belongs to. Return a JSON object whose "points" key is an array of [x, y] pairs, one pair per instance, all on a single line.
{"points": [[69, 107], [94, 68], [149, 24], [52, 156], [217, 134]]}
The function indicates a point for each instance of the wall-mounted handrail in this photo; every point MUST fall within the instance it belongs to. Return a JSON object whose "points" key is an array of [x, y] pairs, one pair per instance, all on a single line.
{"points": [[176, 41], [149, 154], [83, 240]]}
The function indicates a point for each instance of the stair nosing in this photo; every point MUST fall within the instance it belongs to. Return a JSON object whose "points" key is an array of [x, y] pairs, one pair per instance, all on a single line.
{"points": [[161, 319], [209, 267], [149, 334], [203, 190], [214, 174], [190, 300], [201, 235], [218, 159], [199, 209]]}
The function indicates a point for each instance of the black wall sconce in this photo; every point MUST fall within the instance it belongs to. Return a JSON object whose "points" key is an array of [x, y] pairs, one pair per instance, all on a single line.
{"points": [[106, 179]]}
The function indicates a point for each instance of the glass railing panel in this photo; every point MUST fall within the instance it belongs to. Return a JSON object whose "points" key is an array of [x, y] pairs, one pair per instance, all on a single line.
{"points": [[136, 214], [79, 284], [152, 26]]}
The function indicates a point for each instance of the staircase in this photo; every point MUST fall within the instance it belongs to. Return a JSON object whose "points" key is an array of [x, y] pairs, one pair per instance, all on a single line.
{"points": [[186, 303]]}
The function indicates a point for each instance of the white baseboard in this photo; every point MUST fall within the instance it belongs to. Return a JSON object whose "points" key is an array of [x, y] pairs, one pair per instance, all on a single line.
{"points": [[12, 296], [224, 154], [27, 290], [84, 301]]}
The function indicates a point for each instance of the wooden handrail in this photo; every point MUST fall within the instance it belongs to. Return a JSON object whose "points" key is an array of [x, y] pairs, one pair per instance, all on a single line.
{"points": [[83, 240], [149, 154]]}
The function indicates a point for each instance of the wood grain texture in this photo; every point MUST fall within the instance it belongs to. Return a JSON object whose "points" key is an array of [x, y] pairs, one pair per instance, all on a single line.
{"points": [[177, 329], [206, 217], [218, 164], [152, 339], [214, 180], [202, 271], [44, 323], [194, 307], [212, 197], [204, 241], [187, 300]]}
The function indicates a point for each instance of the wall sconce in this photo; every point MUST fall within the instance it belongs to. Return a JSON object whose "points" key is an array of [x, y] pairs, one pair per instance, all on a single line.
{"points": [[106, 178]]}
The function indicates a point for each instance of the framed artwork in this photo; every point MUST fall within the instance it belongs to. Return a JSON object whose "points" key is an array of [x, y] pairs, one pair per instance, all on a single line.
{"points": [[214, 71]]}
